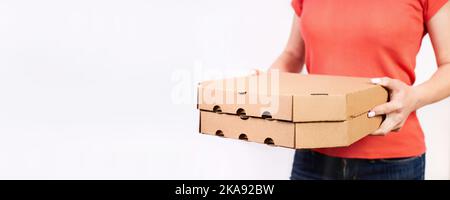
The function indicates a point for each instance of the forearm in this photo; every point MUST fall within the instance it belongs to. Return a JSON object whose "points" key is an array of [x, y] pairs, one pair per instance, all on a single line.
{"points": [[438, 86], [293, 57], [435, 89], [289, 62]]}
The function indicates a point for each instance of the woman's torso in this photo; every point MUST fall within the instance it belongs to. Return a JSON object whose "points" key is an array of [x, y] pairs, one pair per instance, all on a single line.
{"points": [[367, 38]]}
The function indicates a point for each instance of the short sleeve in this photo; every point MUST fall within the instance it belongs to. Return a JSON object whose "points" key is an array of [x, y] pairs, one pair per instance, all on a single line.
{"points": [[431, 7], [297, 5]]}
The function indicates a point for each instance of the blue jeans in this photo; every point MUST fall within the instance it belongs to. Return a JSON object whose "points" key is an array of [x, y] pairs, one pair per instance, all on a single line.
{"points": [[310, 165]]}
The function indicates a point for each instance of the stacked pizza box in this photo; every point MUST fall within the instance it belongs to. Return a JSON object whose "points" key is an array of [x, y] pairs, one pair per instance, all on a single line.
{"points": [[290, 110]]}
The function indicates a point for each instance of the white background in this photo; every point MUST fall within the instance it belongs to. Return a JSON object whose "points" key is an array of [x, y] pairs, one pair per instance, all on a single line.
{"points": [[91, 89]]}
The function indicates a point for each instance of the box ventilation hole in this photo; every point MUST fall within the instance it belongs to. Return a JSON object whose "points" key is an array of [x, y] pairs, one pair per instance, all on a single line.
{"points": [[219, 133], [266, 115], [217, 109], [241, 113], [269, 141], [243, 137]]}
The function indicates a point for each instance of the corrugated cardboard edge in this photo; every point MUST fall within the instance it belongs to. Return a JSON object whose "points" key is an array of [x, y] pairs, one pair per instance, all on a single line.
{"points": [[198, 95], [295, 126], [200, 121]]}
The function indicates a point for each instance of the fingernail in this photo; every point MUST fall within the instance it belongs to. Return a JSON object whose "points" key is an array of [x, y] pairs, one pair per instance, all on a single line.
{"points": [[371, 114], [375, 80]]}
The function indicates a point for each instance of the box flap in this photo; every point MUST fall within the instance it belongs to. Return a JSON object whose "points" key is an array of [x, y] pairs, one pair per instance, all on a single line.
{"points": [[362, 101], [334, 134], [324, 107]]}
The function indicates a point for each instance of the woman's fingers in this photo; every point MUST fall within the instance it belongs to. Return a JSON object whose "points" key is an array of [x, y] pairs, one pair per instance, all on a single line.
{"points": [[398, 109], [397, 129], [391, 123], [399, 126], [391, 84], [385, 109]]}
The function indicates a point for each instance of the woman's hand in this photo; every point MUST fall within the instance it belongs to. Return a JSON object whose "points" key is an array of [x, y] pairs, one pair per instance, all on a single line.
{"points": [[403, 100]]}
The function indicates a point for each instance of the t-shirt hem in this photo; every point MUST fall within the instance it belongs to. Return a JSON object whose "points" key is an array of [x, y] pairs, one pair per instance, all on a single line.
{"points": [[371, 155]]}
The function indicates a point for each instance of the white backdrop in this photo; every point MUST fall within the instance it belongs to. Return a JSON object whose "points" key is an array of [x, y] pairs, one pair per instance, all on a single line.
{"points": [[104, 89]]}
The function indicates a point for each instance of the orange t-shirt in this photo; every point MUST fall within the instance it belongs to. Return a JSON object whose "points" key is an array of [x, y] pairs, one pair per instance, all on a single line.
{"points": [[368, 38]]}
